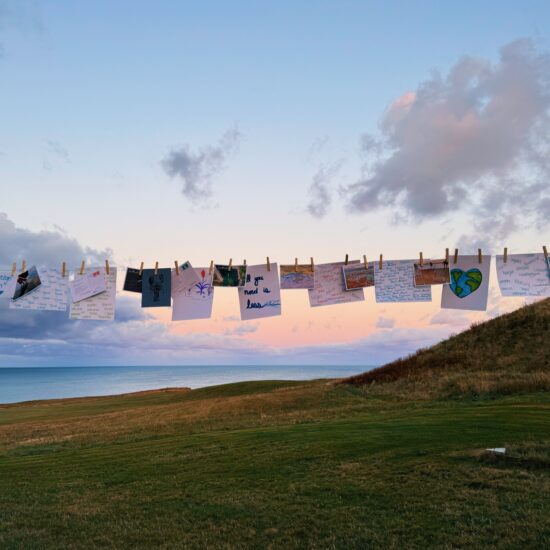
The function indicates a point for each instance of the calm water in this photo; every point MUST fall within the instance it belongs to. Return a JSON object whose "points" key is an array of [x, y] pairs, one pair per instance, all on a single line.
{"points": [[26, 384]]}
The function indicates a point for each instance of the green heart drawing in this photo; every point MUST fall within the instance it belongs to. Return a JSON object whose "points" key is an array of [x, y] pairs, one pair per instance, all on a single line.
{"points": [[463, 283]]}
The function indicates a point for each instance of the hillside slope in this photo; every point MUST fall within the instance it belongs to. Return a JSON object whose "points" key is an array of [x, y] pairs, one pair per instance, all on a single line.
{"points": [[505, 355]]}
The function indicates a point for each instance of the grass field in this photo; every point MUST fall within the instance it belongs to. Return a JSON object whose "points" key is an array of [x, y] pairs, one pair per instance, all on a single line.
{"points": [[274, 464], [391, 459]]}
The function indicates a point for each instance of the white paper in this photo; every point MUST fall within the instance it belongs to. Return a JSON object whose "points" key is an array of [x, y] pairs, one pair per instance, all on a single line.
{"points": [[185, 280], [100, 307], [196, 301], [7, 284], [261, 294], [330, 288], [51, 295], [395, 283], [86, 285], [523, 275], [469, 286]]}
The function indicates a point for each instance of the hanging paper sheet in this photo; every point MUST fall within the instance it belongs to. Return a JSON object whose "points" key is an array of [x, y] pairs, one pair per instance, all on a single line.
{"points": [[358, 276], [184, 279], [299, 276], [226, 276], [395, 283], [469, 286], [261, 295], [523, 275], [86, 285], [100, 307], [51, 295], [7, 282], [156, 288], [26, 282], [133, 280], [330, 288], [196, 301], [431, 272]]}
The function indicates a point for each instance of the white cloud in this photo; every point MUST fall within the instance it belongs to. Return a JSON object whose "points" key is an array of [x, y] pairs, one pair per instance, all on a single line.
{"points": [[475, 139]]}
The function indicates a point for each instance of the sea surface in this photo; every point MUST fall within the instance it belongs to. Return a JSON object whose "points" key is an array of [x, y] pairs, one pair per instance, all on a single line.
{"points": [[31, 383]]}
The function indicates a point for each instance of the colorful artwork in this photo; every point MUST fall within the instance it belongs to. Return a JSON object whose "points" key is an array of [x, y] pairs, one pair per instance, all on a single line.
{"points": [[395, 283], [51, 295], [329, 286], [299, 276], [224, 276], [133, 280], [358, 276], [196, 302], [431, 272], [463, 283], [156, 288], [469, 286], [523, 275], [27, 281], [100, 307], [260, 296]]}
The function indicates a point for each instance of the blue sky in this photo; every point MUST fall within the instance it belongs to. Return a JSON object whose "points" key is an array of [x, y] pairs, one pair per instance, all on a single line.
{"points": [[95, 95]]}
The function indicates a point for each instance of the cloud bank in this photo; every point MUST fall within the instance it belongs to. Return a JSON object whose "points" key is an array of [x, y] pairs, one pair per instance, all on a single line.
{"points": [[475, 139], [197, 170]]}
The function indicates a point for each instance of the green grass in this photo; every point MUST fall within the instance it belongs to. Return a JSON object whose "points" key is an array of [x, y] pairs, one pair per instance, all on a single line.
{"points": [[280, 464]]}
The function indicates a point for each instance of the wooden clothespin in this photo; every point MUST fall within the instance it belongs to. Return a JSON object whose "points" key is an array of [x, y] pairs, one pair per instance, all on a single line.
{"points": [[365, 261], [141, 269], [156, 268], [479, 256], [23, 266], [421, 262], [447, 256], [63, 269], [505, 256], [13, 269], [82, 267], [456, 256], [211, 267], [312, 264], [381, 262], [230, 264], [107, 267], [244, 263], [347, 258], [268, 264], [545, 252], [295, 265], [177, 267]]}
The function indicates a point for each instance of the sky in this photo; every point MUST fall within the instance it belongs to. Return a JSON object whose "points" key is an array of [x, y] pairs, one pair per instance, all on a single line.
{"points": [[140, 131]]}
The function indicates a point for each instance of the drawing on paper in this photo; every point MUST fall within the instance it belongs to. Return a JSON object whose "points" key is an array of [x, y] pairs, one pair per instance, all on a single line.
{"points": [[464, 283], [201, 290]]}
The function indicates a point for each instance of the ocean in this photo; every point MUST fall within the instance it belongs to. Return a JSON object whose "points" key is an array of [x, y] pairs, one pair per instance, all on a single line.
{"points": [[31, 383]]}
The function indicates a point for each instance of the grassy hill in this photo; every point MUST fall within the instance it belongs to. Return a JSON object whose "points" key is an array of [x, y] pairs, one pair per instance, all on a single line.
{"points": [[316, 464], [506, 355]]}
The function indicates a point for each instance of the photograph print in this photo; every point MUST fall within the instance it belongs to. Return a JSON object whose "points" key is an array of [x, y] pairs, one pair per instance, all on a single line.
{"points": [[299, 276], [224, 276], [358, 276], [431, 272], [156, 288], [27, 281], [133, 280]]}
